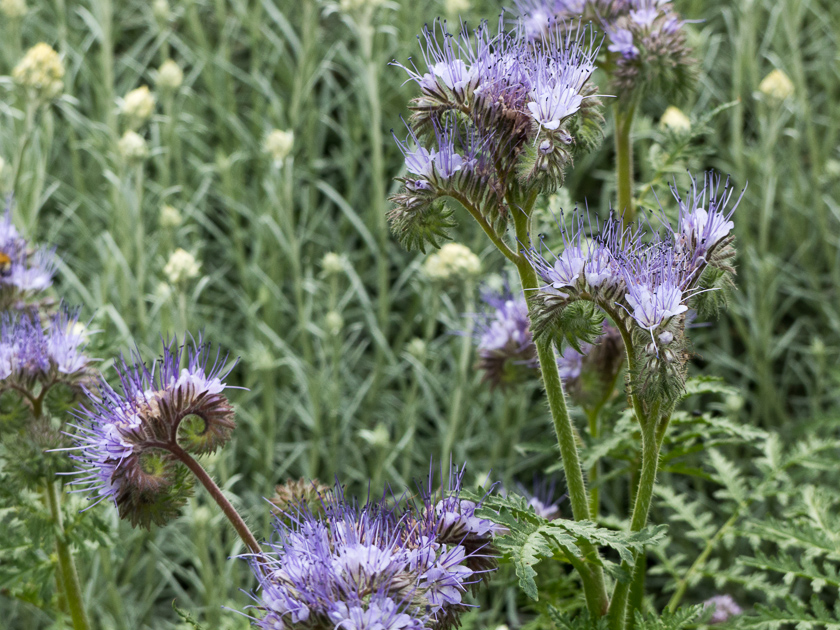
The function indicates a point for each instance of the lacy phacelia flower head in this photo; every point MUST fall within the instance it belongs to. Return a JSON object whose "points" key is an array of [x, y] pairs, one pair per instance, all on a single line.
{"points": [[24, 272], [645, 283], [506, 348], [33, 355], [493, 108], [379, 566], [128, 442]]}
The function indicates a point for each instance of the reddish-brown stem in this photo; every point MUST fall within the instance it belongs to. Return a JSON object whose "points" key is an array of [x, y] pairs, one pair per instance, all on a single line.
{"points": [[216, 492]]}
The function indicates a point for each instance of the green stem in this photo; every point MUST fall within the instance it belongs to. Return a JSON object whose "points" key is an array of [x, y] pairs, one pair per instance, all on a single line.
{"points": [[218, 496], [463, 368], [624, 163], [592, 576], [69, 578], [594, 494]]}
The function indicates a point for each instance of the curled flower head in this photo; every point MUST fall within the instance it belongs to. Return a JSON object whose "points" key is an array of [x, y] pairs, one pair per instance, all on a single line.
{"points": [[382, 565], [505, 346], [130, 444]]}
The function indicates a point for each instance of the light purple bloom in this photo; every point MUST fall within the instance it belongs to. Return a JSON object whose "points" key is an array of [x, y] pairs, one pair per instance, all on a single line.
{"points": [[655, 305], [25, 272], [570, 363], [621, 41], [725, 607]]}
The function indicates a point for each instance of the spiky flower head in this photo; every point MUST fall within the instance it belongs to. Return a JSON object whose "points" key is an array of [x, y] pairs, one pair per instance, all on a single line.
{"points": [[41, 73], [130, 444], [35, 356], [645, 282], [493, 109], [385, 565], [645, 40], [24, 271]]}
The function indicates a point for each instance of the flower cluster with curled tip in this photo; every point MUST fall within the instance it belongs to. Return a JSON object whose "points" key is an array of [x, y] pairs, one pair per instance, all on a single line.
{"points": [[386, 565], [645, 39], [645, 282], [36, 355], [130, 444], [24, 271], [494, 111]]}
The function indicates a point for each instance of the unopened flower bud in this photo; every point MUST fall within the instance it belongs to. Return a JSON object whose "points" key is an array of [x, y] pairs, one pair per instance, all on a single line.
{"points": [[13, 9], [666, 337], [182, 266], [546, 147], [170, 76], [378, 438], [138, 106], [334, 322], [333, 264], [278, 144], [416, 348], [161, 11], [41, 72], [674, 119], [170, 217], [452, 261], [133, 147], [777, 85]]}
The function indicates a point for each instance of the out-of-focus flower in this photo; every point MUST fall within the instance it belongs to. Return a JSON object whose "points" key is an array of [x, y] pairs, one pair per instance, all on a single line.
{"points": [[334, 264], [454, 8], [24, 271], [417, 348], [776, 85], [128, 442], [333, 322], [41, 72], [169, 76], [138, 106], [674, 119], [170, 217], [374, 567], [161, 11], [505, 345], [133, 147], [181, 266], [278, 145], [452, 261], [13, 9], [621, 42], [725, 607], [379, 437]]}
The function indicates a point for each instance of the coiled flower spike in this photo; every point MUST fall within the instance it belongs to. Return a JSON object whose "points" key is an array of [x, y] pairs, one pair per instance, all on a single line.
{"points": [[132, 446]]}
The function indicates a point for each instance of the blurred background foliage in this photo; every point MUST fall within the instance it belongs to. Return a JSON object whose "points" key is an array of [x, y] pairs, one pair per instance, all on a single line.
{"points": [[354, 366]]}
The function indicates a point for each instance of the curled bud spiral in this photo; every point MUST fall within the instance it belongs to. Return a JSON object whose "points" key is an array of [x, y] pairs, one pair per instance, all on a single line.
{"points": [[381, 566], [130, 444]]}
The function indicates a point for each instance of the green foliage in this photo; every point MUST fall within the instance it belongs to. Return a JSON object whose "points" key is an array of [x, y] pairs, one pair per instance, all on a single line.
{"points": [[558, 322], [423, 225]]}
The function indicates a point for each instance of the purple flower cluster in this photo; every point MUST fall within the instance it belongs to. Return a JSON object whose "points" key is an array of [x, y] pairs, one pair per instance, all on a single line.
{"points": [[24, 271], [486, 101], [724, 608], [504, 340], [381, 566], [33, 353], [126, 441], [646, 282], [641, 33]]}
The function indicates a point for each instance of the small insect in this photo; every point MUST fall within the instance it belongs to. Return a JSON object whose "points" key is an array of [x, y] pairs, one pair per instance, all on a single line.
{"points": [[5, 264]]}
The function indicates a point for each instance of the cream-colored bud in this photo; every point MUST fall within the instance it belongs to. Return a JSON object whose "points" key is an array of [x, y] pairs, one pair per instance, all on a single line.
{"points": [[138, 105], [379, 437], [170, 76], [333, 322], [674, 119], [41, 72], [169, 217], [133, 147], [163, 291], [161, 11], [777, 85], [333, 264], [452, 261], [416, 348], [182, 266], [278, 144], [13, 9], [454, 8]]}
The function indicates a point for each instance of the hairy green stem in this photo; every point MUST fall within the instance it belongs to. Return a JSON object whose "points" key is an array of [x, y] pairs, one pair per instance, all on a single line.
{"points": [[218, 496], [624, 163], [592, 576], [594, 431], [69, 578]]}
